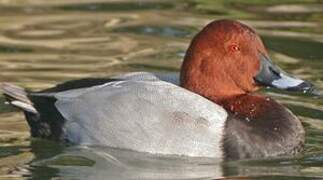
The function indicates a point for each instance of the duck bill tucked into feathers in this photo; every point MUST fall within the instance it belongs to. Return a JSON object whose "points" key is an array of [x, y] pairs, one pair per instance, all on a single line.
{"points": [[272, 76]]}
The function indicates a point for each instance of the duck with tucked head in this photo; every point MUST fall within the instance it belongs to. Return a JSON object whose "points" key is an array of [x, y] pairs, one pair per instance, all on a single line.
{"points": [[212, 112]]}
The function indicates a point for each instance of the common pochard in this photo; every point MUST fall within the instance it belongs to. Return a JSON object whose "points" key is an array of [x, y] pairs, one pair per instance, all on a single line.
{"points": [[211, 110]]}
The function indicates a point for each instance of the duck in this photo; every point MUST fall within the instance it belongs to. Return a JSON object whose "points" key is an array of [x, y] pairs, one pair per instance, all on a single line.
{"points": [[210, 109]]}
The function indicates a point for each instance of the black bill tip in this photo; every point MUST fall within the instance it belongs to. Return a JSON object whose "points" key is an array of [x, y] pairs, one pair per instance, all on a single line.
{"points": [[307, 88]]}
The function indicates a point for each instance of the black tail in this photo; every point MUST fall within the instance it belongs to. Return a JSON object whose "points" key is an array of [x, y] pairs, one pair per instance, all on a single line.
{"points": [[17, 97], [41, 114]]}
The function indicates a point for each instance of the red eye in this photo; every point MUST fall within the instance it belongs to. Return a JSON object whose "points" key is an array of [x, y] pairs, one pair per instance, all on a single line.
{"points": [[234, 48]]}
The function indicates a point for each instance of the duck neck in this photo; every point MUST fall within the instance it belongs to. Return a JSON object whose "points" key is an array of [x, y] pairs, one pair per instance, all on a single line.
{"points": [[251, 106]]}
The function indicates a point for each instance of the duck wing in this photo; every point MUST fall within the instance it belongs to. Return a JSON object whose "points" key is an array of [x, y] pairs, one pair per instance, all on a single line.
{"points": [[143, 115]]}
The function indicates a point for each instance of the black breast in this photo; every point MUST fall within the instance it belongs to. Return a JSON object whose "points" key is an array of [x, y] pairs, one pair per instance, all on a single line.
{"points": [[259, 127]]}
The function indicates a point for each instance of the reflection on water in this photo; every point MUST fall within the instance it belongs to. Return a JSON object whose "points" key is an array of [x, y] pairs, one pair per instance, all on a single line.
{"points": [[46, 42], [99, 163]]}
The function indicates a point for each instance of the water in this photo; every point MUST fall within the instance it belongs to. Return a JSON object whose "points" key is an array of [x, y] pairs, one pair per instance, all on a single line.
{"points": [[46, 42]]}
